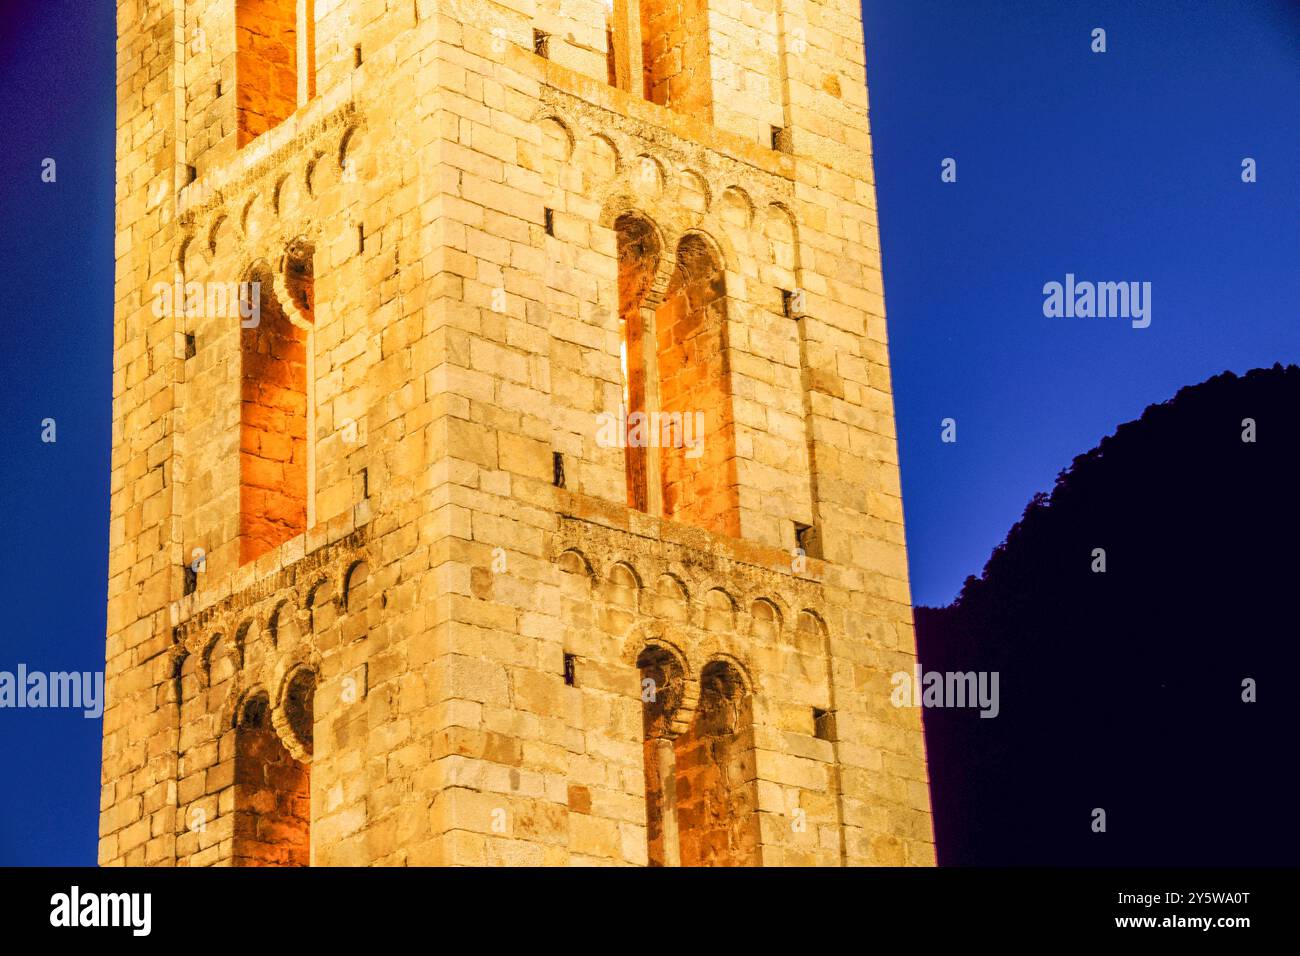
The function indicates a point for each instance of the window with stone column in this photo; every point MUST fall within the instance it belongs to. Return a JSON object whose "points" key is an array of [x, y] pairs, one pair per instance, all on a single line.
{"points": [[274, 452], [275, 62], [696, 427], [272, 794]]}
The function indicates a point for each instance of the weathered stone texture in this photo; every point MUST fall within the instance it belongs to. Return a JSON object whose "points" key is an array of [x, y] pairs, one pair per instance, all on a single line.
{"points": [[352, 617]]}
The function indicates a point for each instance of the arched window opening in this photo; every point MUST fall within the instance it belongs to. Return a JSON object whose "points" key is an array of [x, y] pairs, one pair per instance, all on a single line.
{"points": [[638, 257], [272, 792], [697, 434], [717, 777], [273, 442], [661, 695]]}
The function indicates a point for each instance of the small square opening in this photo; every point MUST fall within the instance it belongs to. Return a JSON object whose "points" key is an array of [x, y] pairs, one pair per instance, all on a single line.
{"points": [[823, 724], [780, 139], [542, 44], [787, 303], [807, 540]]}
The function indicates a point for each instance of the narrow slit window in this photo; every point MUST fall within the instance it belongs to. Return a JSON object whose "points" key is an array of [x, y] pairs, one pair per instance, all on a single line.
{"points": [[823, 724]]}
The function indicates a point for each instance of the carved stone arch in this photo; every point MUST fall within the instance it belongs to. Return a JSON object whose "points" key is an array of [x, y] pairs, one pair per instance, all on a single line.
{"points": [[555, 112], [781, 243], [274, 389], [712, 585], [282, 624], [219, 232], [252, 708], [810, 633], [272, 793], [550, 120], [550, 156], [579, 578], [646, 176], [675, 576], [350, 141], [356, 581], [188, 255], [293, 712], [320, 174], [620, 203], [622, 584], [720, 608], [694, 383], [717, 242], [652, 641], [671, 598], [251, 266], [242, 630], [319, 591], [295, 282], [809, 621], [643, 272], [286, 194], [258, 269], [655, 634], [736, 208], [729, 645], [668, 695], [693, 191], [779, 222], [764, 618], [223, 671], [320, 605], [717, 773], [669, 219], [206, 653], [574, 561], [253, 218], [663, 276], [737, 665], [194, 261], [603, 158]]}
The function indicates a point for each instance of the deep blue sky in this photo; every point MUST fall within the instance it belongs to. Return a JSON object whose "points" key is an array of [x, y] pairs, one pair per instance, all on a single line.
{"points": [[1120, 166], [1117, 166], [56, 281]]}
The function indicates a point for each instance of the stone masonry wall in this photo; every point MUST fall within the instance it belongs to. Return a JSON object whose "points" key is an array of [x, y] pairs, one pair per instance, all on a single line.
{"points": [[447, 655]]}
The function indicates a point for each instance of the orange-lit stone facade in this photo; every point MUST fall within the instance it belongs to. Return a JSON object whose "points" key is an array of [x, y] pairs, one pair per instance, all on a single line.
{"points": [[386, 585]]}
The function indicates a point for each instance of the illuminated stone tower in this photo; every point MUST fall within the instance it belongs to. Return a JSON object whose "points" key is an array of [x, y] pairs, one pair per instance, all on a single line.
{"points": [[504, 466]]}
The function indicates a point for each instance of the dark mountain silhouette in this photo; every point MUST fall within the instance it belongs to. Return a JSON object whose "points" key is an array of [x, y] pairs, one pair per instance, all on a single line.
{"points": [[1123, 690]]}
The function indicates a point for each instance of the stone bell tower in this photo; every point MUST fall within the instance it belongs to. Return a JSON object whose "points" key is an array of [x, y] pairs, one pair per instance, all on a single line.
{"points": [[504, 466]]}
